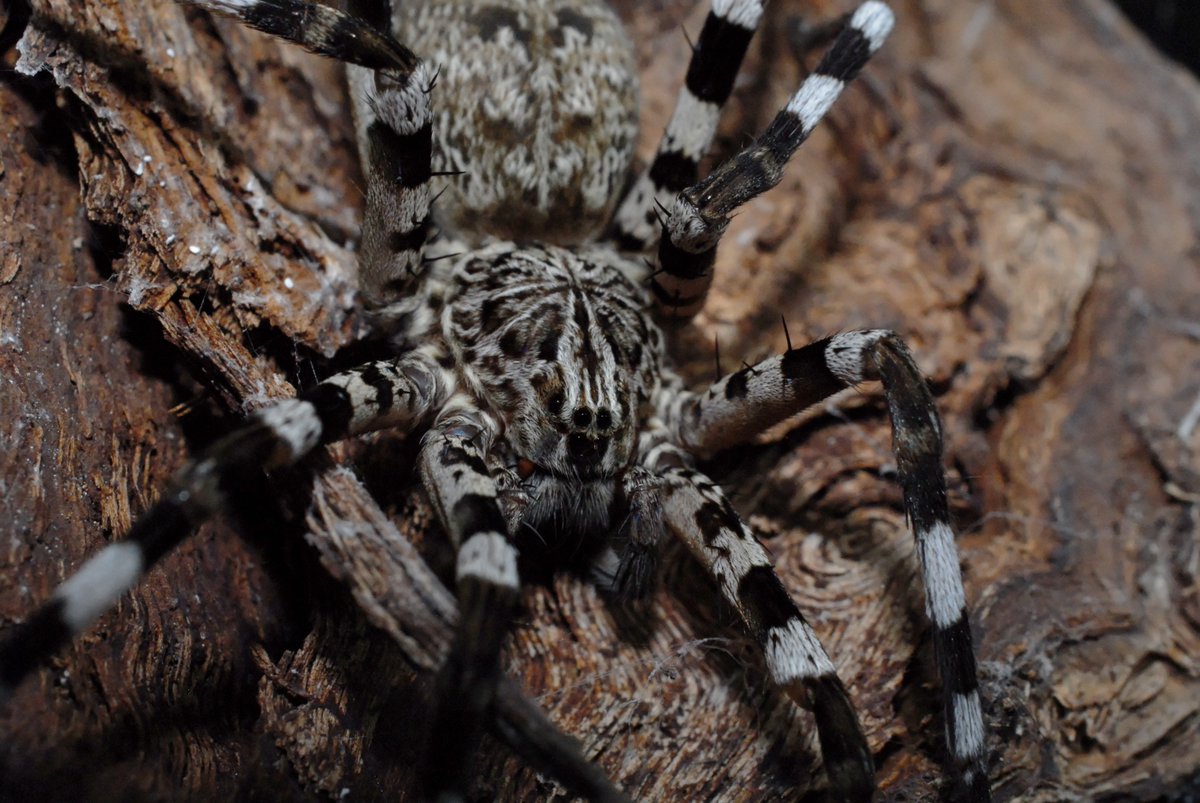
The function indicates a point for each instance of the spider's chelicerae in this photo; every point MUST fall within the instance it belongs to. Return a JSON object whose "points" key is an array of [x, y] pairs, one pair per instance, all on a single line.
{"points": [[524, 309]]}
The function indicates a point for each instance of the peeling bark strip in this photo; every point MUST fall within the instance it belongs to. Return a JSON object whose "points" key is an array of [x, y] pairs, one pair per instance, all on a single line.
{"points": [[1031, 240]]}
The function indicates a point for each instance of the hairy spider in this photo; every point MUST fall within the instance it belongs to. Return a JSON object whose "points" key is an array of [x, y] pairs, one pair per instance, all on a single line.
{"points": [[523, 312]]}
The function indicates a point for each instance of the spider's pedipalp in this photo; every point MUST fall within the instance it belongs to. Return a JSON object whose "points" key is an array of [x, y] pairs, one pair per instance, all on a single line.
{"points": [[701, 212], [639, 535], [716, 58]]}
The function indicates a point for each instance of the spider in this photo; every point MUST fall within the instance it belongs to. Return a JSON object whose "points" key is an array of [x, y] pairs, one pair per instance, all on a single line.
{"points": [[524, 312]]}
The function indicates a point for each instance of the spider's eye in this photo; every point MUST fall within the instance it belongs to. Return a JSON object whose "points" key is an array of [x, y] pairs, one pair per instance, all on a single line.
{"points": [[604, 419], [581, 417], [556, 403]]}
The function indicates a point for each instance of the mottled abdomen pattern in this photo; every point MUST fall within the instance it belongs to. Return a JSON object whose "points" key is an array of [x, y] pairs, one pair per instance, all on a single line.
{"points": [[536, 105]]}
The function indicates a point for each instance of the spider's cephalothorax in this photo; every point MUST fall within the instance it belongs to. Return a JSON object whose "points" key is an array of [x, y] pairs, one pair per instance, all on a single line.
{"points": [[558, 346], [523, 308]]}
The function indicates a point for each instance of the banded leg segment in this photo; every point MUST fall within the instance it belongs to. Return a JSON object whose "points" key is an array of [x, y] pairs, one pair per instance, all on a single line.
{"points": [[391, 90], [394, 119], [700, 214], [716, 58], [697, 512], [746, 402], [392, 393], [755, 398], [917, 442], [464, 494]]}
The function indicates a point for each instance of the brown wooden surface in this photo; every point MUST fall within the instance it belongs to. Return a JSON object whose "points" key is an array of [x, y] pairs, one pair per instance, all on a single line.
{"points": [[1013, 186]]}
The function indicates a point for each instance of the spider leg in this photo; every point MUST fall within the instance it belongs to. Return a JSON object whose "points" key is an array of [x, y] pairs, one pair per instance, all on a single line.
{"points": [[464, 494], [696, 510], [716, 58], [701, 213], [391, 90], [395, 124], [755, 398], [390, 393], [529, 732]]}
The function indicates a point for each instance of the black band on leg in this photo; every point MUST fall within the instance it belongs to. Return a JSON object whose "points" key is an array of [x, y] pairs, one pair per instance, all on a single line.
{"points": [[701, 212], [716, 58]]}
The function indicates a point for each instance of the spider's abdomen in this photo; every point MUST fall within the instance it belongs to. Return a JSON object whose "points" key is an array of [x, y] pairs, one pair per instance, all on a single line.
{"points": [[536, 104]]}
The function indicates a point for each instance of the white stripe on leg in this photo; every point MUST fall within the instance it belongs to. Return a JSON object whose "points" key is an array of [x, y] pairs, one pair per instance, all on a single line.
{"points": [[968, 725], [875, 20], [945, 599], [99, 583], [296, 425], [489, 557], [793, 653]]}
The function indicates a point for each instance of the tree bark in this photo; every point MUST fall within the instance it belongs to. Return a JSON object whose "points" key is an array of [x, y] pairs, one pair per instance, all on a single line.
{"points": [[1013, 187]]}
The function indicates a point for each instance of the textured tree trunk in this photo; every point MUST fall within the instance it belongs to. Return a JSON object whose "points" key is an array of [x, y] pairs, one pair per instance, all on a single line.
{"points": [[1014, 187]]}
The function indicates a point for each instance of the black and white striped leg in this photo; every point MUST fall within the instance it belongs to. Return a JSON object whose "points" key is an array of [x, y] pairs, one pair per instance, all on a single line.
{"points": [[755, 398], [321, 29], [526, 729], [701, 213], [696, 510], [748, 401], [393, 393], [716, 59], [463, 492], [394, 119], [391, 90], [917, 441]]}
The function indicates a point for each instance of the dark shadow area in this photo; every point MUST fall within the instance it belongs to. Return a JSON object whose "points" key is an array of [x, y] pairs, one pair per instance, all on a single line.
{"points": [[1172, 25]]}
